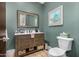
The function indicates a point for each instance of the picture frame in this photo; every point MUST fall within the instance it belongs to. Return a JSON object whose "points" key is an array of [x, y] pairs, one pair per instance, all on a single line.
{"points": [[27, 19], [55, 16]]}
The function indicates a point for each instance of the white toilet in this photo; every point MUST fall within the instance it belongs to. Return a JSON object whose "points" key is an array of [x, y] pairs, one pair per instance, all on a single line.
{"points": [[64, 44]]}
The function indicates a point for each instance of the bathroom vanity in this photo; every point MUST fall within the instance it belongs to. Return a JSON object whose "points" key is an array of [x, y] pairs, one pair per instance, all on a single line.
{"points": [[31, 40], [28, 43]]}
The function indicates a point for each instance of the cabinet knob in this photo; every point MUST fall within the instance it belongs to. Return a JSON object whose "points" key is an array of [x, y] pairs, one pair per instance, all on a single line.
{"points": [[5, 39]]}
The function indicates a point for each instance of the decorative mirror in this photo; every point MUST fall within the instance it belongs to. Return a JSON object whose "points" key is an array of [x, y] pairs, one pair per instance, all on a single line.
{"points": [[26, 19]]}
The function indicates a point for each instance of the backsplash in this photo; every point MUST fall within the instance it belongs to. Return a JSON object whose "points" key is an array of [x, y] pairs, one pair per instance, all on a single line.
{"points": [[22, 30]]}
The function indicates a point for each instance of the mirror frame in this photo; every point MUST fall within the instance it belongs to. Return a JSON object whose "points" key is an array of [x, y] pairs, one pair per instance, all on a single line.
{"points": [[28, 13]]}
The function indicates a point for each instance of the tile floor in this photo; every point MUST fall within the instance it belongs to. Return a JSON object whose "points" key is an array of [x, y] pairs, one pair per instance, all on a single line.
{"points": [[42, 53]]}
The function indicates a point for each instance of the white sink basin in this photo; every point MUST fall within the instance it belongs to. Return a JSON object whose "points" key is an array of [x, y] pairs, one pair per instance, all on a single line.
{"points": [[64, 38], [19, 33]]}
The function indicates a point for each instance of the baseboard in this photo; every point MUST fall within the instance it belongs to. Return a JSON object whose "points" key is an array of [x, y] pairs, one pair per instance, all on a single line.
{"points": [[49, 47], [10, 53]]}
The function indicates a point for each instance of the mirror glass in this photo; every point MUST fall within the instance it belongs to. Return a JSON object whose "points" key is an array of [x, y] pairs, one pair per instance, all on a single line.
{"points": [[26, 19]]}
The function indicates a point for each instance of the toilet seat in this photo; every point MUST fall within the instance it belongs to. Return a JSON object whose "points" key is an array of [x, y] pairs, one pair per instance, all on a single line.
{"points": [[56, 52]]}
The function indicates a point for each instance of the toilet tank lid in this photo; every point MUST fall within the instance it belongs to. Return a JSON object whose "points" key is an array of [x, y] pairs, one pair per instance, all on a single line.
{"points": [[64, 38]]}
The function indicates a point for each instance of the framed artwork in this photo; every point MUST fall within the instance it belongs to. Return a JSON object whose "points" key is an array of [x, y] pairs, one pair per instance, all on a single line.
{"points": [[55, 16]]}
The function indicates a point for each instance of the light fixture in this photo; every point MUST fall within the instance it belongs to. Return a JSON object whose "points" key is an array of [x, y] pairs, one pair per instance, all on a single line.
{"points": [[41, 2]]}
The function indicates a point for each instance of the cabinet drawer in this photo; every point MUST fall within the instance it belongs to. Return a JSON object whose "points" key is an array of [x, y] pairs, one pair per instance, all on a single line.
{"points": [[23, 36], [39, 35]]}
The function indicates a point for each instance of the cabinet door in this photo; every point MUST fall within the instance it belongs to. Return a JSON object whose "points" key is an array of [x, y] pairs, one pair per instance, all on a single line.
{"points": [[27, 41], [17, 41], [39, 39], [2, 46], [22, 41], [39, 42], [31, 42]]}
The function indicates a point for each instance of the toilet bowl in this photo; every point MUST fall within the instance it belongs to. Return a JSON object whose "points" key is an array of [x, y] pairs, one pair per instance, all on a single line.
{"points": [[56, 52], [64, 44]]}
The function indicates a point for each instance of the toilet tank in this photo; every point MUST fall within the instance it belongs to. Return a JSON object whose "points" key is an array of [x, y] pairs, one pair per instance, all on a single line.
{"points": [[65, 43]]}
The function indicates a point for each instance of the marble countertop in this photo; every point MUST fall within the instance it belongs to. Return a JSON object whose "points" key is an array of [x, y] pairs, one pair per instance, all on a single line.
{"points": [[28, 33]]}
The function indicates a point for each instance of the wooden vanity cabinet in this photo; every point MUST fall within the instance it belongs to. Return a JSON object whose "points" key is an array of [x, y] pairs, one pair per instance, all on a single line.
{"points": [[2, 48], [2, 29], [28, 44]]}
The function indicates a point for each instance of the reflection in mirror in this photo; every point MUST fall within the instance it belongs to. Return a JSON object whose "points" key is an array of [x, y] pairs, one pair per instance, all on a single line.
{"points": [[31, 20], [26, 19], [22, 20]]}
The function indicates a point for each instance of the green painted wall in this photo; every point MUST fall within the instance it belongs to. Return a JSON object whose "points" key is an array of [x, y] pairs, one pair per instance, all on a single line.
{"points": [[71, 25], [11, 17]]}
